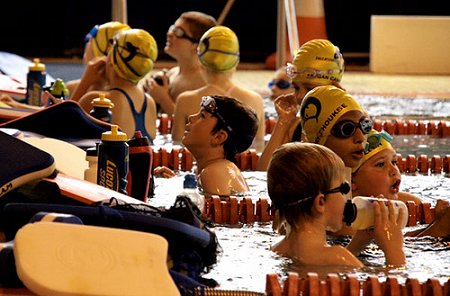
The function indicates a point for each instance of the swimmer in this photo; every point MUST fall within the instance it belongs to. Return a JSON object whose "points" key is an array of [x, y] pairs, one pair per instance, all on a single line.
{"points": [[97, 43], [378, 174], [223, 127], [131, 57], [280, 84], [218, 52], [311, 202], [317, 62], [182, 41]]}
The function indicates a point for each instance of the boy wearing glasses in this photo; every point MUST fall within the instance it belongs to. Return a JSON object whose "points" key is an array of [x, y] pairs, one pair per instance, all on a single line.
{"points": [[181, 44], [311, 201]]}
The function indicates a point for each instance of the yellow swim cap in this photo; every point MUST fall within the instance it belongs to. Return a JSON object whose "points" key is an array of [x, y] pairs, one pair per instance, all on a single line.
{"points": [[218, 49], [376, 141], [321, 109], [317, 62], [133, 54], [102, 39]]}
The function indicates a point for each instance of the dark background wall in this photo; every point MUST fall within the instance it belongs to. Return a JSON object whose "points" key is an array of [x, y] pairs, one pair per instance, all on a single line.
{"points": [[57, 28]]}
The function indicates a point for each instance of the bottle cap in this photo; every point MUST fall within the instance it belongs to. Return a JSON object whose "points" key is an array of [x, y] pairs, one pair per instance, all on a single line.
{"points": [[138, 140], [59, 89], [37, 66], [190, 181], [114, 135], [349, 213], [101, 101]]}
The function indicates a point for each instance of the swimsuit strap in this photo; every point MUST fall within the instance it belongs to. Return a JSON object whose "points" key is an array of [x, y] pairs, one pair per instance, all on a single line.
{"points": [[139, 117]]}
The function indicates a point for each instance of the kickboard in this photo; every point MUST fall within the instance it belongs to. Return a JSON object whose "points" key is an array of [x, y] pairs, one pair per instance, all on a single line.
{"points": [[21, 163], [87, 192]]}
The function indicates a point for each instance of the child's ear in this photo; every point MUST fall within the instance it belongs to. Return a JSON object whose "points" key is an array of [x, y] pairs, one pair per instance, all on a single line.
{"points": [[319, 203], [219, 138]]}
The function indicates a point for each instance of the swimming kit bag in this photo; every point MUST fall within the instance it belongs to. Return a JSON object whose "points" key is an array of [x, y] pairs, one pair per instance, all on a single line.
{"points": [[65, 121], [21, 163], [193, 248]]}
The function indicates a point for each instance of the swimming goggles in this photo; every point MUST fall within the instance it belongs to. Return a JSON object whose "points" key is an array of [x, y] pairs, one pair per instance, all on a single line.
{"points": [[281, 84], [180, 33], [344, 189], [374, 140], [347, 128], [209, 104], [292, 71], [92, 34]]}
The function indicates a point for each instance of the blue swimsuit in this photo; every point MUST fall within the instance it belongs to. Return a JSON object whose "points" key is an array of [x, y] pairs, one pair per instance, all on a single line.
{"points": [[139, 117]]}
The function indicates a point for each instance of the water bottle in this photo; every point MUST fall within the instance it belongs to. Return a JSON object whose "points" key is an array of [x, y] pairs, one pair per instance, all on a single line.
{"points": [[102, 108], [360, 215], [90, 174], [35, 83], [140, 185], [113, 160], [190, 190]]}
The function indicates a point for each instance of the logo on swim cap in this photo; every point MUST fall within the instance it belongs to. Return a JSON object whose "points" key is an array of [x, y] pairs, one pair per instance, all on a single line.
{"points": [[218, 49], [311, 110]]}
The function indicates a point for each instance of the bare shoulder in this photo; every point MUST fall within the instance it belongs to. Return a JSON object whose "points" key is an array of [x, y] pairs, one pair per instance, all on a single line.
{"points": [[406, 196]]}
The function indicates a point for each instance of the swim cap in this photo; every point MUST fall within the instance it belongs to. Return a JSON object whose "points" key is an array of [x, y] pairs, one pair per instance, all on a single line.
{"points": [[321, 108], [376, 141], [133, 54], [317, 62], [218, 49], [102, 37]]}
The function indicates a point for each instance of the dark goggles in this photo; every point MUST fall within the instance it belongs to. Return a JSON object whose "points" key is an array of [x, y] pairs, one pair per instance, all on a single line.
{"points": [[281, 84], [209, 105], [180, 33], [344, 188], [347, 128]]}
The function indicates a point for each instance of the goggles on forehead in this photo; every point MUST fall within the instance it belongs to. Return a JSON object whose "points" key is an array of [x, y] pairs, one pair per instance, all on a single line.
{"points": [[374, 140], [344, 188], [180, 33], [281, 84], [209, 105], [347, 128], [292, 71]]}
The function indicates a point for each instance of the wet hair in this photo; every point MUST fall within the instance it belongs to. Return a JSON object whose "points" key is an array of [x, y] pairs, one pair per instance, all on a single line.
{"points": [[243, 121], [298, 171], [198, 22]]}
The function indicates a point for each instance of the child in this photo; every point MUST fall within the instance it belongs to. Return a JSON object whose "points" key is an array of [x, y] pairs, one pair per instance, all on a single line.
{"points": [[378, 174], [311, 201], [317, 62], [131, 57], [333, 118], [97, 44], [218, 52], [182, 41], [280, 84], [222, 128]]}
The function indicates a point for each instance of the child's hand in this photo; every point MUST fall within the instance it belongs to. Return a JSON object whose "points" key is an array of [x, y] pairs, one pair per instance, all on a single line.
{"points": [[286, 107], [163, 171], [388, 233]]}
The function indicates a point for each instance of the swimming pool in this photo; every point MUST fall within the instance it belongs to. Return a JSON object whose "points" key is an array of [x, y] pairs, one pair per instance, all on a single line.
{"points": [[247, 259]]}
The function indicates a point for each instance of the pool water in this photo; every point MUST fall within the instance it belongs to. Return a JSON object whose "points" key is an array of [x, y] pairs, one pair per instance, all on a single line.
{"points": [[247, 258]]}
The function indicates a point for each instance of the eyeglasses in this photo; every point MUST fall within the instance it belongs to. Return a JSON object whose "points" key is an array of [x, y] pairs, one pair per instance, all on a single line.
{"points": [[292, 71], [374, 140], [347, 128], [344, 188], [209, 104], [281, 84], [180, 33]]}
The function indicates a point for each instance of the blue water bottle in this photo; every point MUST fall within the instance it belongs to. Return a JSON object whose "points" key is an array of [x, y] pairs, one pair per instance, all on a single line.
{"points": [[112, 168], [35, 83], [102, 109]]}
